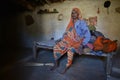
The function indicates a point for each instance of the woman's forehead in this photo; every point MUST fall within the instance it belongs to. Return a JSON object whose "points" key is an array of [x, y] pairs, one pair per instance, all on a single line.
{"points": [[74, 11]]}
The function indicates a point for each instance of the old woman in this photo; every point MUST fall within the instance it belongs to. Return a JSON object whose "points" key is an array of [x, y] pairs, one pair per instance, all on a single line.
{"points": [[76, 35]]}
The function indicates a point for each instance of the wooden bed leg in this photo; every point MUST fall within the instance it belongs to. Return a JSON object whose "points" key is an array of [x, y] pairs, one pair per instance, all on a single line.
{"points": [[109, 64], [34, 50]]}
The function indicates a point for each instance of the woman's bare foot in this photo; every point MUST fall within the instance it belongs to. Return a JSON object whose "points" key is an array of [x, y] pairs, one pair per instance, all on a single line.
{"points": [[64, 70], [55, 65]]}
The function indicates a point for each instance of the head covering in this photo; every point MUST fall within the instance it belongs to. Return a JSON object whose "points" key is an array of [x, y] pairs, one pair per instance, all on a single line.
{"points": [[78, 11], [71, 22]]}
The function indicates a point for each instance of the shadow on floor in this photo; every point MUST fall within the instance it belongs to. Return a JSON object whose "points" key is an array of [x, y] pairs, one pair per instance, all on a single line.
{"points": [[27, 68]]}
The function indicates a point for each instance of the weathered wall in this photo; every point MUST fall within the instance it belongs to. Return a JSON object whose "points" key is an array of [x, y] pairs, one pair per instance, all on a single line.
{"points": [[48, 25]]}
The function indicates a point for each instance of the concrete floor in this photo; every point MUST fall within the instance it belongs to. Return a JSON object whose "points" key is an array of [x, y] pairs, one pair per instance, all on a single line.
{"points": [[25, 67]]}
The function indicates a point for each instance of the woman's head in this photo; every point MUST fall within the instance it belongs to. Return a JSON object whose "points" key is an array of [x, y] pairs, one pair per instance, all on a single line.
{"points": [[76, 14]]}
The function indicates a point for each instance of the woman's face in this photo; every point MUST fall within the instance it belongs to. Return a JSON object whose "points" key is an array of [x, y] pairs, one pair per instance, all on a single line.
{"points": [[74, 14]]}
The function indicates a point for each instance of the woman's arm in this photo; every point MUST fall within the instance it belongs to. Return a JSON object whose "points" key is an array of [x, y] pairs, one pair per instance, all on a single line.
{"points": [[83, 31]]}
